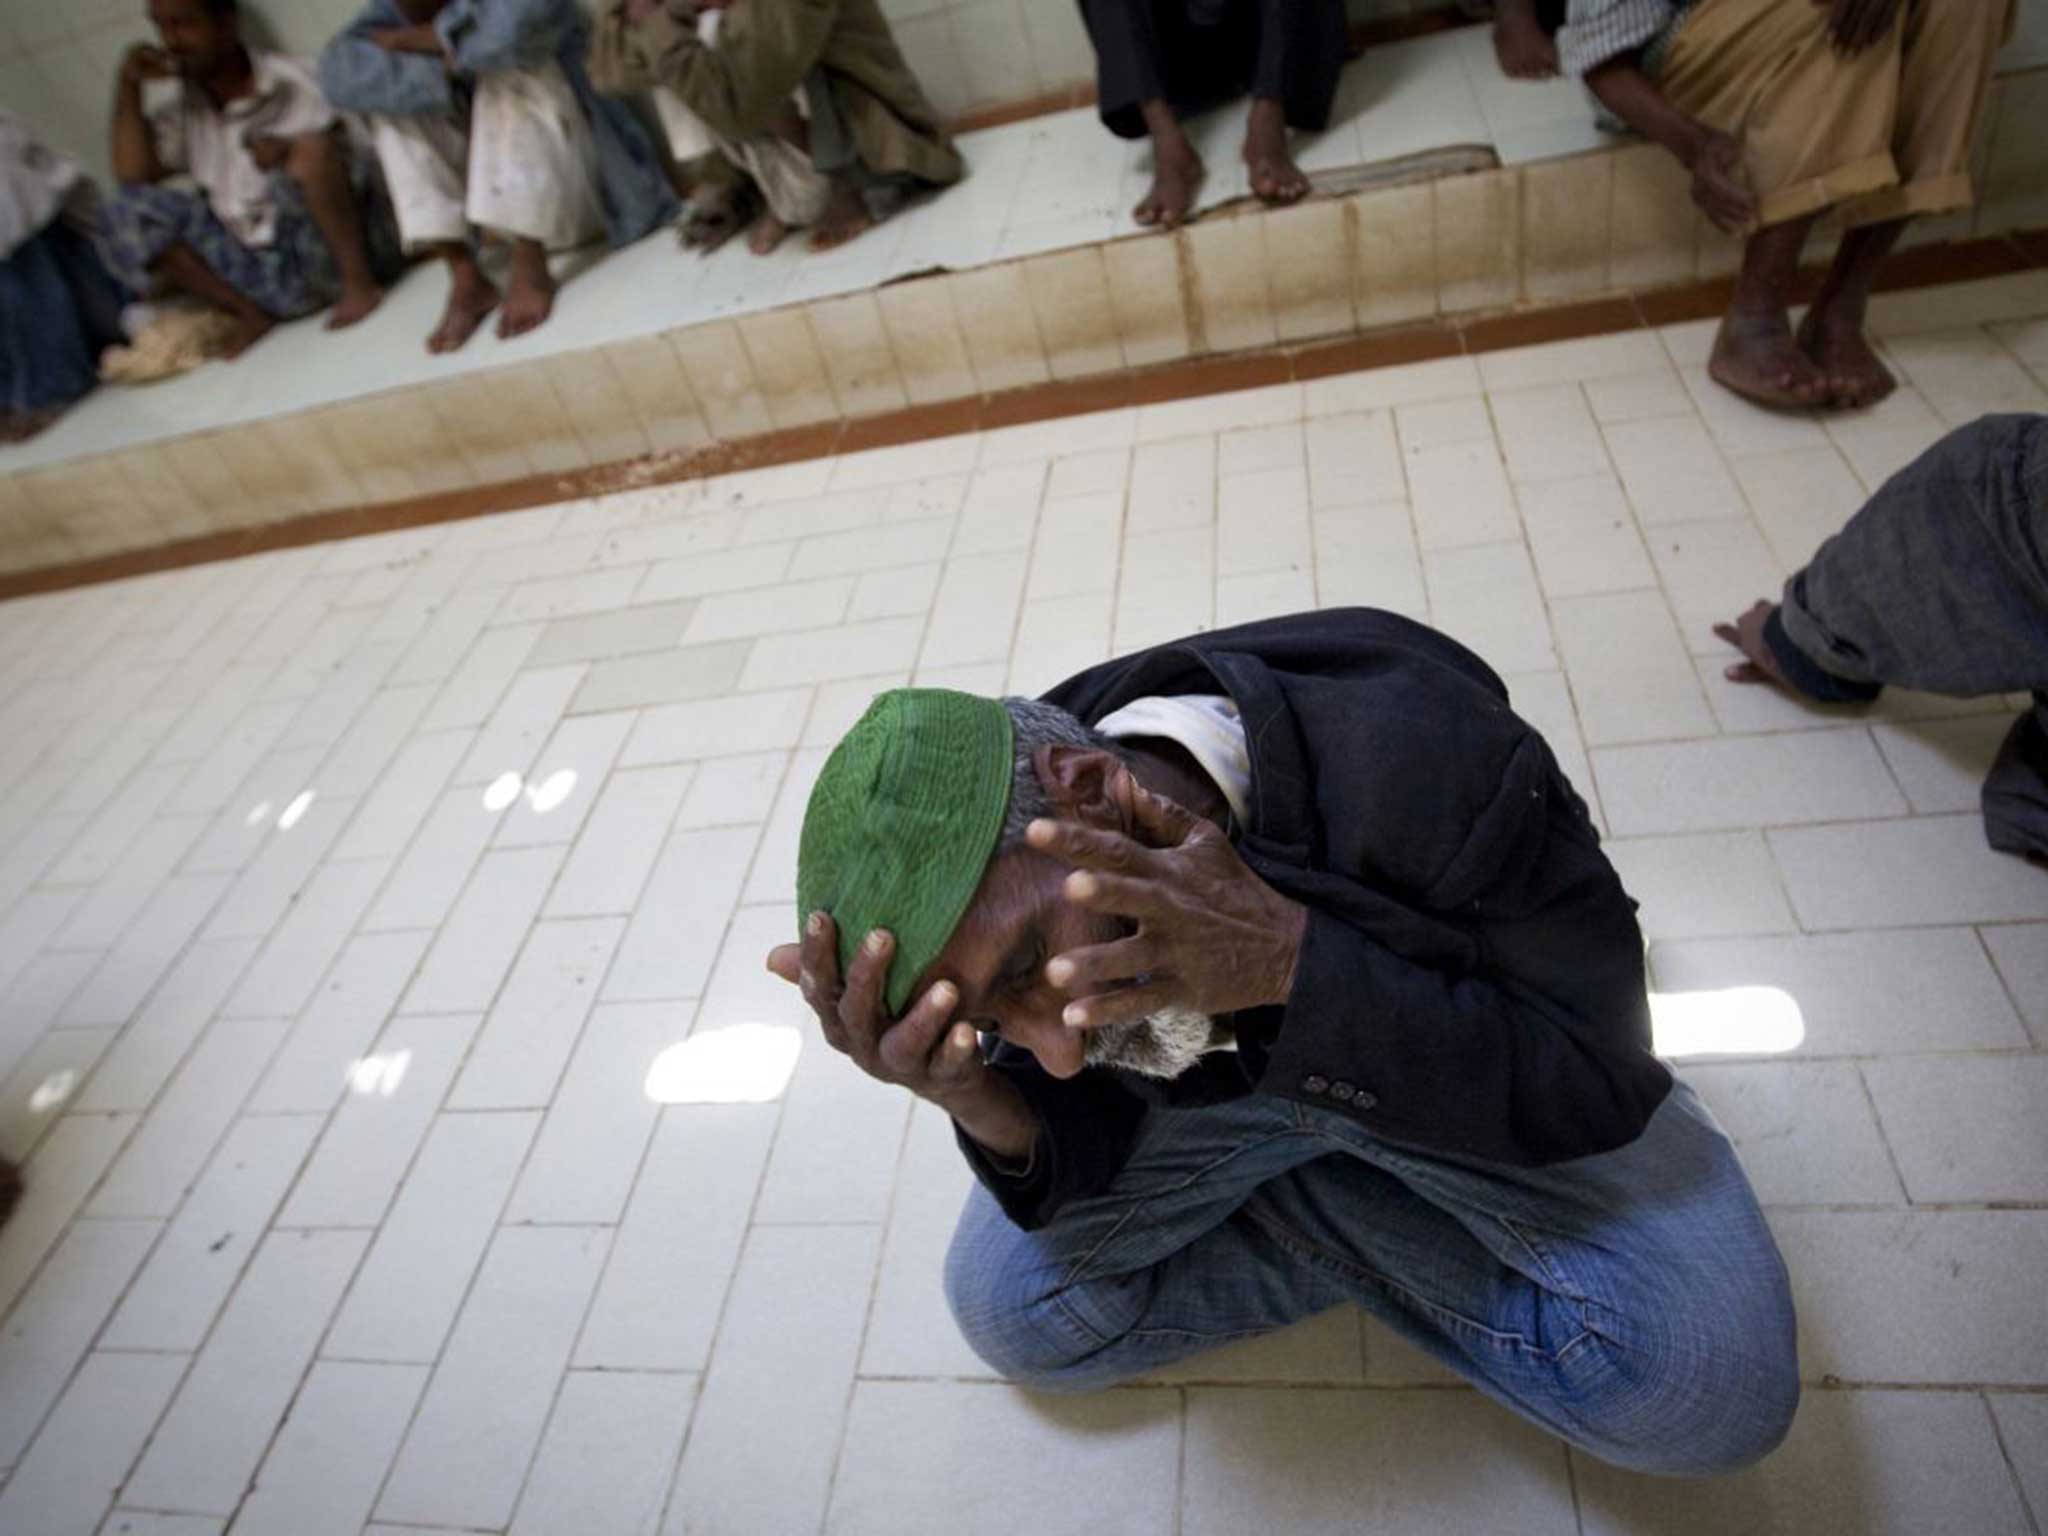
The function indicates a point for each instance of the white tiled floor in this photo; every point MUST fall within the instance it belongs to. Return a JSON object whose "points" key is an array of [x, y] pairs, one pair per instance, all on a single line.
{"points": [[353, 902]]}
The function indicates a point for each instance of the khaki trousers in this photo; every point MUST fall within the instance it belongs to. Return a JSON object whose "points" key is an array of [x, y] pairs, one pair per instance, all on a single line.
{"points": [[1885, 134]]}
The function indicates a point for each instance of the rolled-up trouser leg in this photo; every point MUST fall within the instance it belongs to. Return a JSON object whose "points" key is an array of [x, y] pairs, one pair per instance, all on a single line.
{"points": [[425, 161], [533, 159]]}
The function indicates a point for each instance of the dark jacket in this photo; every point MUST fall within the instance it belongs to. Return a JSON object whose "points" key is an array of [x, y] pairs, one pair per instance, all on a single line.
{"points": [[1471, 981]]}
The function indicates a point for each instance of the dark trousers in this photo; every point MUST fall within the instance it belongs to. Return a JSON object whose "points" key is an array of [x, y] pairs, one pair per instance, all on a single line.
{"points": [[1941, 583], [1199, 54]]}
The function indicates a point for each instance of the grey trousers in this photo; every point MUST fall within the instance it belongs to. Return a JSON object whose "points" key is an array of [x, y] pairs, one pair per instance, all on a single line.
{"points": [[1941, 583]]}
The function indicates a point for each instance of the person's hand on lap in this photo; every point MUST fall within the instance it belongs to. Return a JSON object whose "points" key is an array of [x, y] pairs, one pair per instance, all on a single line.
{"points": [[1210, 934], [1720, 186]]}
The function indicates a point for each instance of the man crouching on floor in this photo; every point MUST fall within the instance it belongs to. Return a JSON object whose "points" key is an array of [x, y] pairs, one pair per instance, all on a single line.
{"points": [[1278, 968]]}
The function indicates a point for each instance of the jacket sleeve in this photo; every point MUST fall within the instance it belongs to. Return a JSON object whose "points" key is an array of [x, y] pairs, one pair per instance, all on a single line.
{"points": [[739, 88], [358, 76], [1530, 1050], [488, 37], [1087, 1124]]}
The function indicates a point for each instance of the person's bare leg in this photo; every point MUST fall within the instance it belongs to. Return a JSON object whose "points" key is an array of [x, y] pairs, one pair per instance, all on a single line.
{"points": [[471, 297], [529, 292], [845, 217], [1177, 171], [319, 166], [1832, 333], [1754, 352], [184, 268], [1276, 179]]}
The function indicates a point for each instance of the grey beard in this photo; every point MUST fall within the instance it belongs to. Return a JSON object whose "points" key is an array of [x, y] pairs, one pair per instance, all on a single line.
{"points": [[1163, 1044]]}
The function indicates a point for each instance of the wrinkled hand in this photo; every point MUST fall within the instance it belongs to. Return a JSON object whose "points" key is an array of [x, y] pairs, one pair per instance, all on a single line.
{"points": [[923, 1051], [146, 61], [1746, 634], [1211, 935], [1720, 187], [1856, 24]]}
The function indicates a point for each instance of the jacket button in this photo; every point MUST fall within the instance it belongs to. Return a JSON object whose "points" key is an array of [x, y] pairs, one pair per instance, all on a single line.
{"points": [[1364, 1100], [1315, 1082], [1343, 1093]]}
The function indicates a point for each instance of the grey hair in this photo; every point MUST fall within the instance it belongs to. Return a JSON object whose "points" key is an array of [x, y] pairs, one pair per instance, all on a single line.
{"points": [[1036, 724]]}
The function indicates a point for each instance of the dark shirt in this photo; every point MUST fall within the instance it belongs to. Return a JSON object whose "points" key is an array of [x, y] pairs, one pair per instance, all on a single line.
{"points": [[1471, 979]]}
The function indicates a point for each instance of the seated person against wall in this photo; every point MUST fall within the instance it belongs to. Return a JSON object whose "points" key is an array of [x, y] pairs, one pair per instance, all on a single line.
{"points": [[1160, 62], [1280, 968], [871, 141], [1783, 110], [1939, 583], [277, 228], [482, 116], [59, 307]]}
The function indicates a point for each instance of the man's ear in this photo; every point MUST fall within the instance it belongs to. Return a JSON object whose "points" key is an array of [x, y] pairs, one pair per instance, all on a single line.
{"points": [[1092, 786]]}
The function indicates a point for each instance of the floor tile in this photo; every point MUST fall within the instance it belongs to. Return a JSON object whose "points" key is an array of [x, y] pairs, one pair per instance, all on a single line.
{"points": [[220, 1424], [1922, 989], [2023, 1428], [533, 1026], [142, 1060], [774, 1402], [1887, 1463], [619, 842], [466, 1455], [331, 1455], [1119, 1451], [1966, 1129], [1702, 885], [904, 1336], [1965, 1277], [1941, 764], [70, 1476], [2020, 952], [608, 1455], [468, 962], [411, 1285], [1584, 537], [664, 1288], [1331, 1461], [1931, 869], [1628, 669], [1803, 1130], [1700, 786], [599, 1119]]}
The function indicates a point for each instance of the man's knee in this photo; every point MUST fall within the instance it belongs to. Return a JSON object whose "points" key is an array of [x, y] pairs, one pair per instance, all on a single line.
{"points": [[1005, 1312], [315, 159], [1706, 1410]]}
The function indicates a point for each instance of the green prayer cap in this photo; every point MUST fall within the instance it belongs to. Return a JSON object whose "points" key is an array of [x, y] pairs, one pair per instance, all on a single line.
{"points": [[902, 823]]}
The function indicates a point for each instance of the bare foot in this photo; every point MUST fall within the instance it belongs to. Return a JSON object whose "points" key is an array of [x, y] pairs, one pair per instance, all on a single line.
{"points": [[766, 233], [529, 292], [1754, 355], [251, 326], [470, 301], [1746, 634], [1177, 173], [1524, 50], [353, 305], [845, 217], [1276, 179], [1856, 376]]}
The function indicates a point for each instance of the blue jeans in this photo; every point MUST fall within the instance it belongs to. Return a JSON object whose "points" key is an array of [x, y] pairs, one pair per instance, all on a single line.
{"points": [[1633, 1303]]}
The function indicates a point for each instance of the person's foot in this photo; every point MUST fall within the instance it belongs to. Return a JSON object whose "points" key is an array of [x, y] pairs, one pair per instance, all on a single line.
{"points": [[248, 328], [471, 298], [845, 217], [1756, 357], [1177, 173], [1276, 179], [766, 233], [1856, 376], [1746, 634], [529, 292], [353, 305]]}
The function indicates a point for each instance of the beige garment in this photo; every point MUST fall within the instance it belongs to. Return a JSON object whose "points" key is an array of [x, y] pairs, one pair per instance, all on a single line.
{"points": [[211, 143], [526, 166], [1885, 133]]}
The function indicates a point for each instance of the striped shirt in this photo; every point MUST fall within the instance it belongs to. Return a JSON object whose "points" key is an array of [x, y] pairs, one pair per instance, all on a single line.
{"points": [[1596, 31]]}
